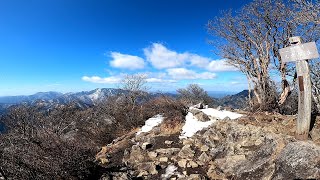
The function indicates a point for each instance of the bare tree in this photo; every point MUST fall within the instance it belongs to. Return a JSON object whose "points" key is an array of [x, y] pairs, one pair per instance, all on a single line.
{"points": [[315, 79], [308, 15], [252, 39], [194, 94], [135, 85]]}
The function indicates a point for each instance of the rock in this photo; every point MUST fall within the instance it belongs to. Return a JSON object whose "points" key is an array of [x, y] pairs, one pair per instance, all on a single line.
{"points": [[195, 177], [198, 106], [115, 176], [146, 145], [230, 163], [315, 134], [258, 142], [182, 163], [186, 152], [247, 143], [187, 142], [192, 164], [204, 148], [201, 116], [102, 161], [204, 158], [226, 119], [152, 155], [143, 173], [194, 111], [120, 176], [298, 160], [168, 151], [136, 154], [168, 142], [148, 167], [163, 159], [212, 174]]}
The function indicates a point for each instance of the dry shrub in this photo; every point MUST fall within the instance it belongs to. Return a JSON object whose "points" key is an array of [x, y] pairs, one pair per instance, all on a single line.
{"points": [[194, 94], [172, 109], [126, 115], [171, 127], [56, 144], [61, 143]]}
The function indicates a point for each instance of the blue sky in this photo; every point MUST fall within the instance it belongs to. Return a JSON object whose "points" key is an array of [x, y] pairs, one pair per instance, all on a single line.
{"points": [[76, 45]]}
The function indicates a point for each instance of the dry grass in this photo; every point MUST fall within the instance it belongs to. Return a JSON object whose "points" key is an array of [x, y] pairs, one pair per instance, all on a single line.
{"points": [[169, 129]]}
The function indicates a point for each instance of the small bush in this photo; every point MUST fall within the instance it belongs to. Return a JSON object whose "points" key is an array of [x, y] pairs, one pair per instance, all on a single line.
{"points": [[173, 110], [194, 94]]}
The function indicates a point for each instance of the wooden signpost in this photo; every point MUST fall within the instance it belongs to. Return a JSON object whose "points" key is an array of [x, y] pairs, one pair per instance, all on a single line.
{"points": [[300, 53]]}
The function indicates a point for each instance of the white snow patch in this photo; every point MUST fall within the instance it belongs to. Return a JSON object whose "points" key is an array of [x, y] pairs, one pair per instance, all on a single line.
{"points": [[221, 114], [193, 125], [95, 95], [169, 171], [151, 123]]}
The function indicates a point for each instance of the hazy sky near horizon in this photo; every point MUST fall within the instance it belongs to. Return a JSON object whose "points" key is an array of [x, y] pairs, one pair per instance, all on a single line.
{"points": [[76, 45]]}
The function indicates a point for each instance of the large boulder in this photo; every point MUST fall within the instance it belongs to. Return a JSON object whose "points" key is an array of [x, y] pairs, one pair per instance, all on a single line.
{"points": [[298, 160], [201, 116]]}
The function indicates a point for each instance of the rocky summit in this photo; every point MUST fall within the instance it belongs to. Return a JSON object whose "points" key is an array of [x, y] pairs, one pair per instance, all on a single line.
{"points": [[255, 146]]}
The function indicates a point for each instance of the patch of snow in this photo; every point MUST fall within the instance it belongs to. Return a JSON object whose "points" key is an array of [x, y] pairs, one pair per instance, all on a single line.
{"points": [[95, 95], [221, 114], [193, 125], [169, 171], [151, 123]]}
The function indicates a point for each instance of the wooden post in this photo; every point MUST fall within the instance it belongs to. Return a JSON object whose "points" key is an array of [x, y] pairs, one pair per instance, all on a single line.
{"points": [[304, 106], [300, 53], [304, 95]]}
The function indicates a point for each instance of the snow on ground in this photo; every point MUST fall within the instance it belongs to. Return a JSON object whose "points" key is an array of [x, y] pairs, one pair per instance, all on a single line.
{"points": [[221, 114], [150, 123], [169, 171], [193, 125]]}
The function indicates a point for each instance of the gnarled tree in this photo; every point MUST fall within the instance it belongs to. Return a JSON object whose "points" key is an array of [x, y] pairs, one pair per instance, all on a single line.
{"points": [[251, 39]]}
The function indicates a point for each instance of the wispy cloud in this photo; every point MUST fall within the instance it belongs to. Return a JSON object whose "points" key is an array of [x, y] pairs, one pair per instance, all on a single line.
{"points": [[126, 61], [106, 80], [158, 80], [117, 79], [220, 66], [182, 73]]}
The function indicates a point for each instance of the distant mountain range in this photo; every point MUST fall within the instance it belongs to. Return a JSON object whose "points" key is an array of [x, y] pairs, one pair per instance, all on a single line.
{"points": [[50, 99], [90, 98], [236, 101]]}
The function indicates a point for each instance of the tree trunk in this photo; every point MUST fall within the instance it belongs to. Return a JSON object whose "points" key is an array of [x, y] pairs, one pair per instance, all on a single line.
{"points": [[249, 92], [285, 91]]}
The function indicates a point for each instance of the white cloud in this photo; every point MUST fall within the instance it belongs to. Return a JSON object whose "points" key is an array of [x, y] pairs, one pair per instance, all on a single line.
{"points": [[126, 61], [182, 73], [199, 61], [220, 65], [106, 80], [161, 57], [158, 80]]}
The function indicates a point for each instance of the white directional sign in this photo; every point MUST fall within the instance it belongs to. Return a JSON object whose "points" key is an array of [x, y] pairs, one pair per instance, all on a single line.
{"points": [[299, 52]]}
